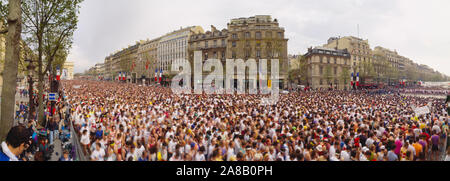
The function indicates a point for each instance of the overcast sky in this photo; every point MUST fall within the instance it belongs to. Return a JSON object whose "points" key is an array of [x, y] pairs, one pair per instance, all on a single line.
{"points": [[417, 29]]}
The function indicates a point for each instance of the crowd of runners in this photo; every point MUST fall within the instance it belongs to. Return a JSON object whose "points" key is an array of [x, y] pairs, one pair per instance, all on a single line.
{"points": [[426, 91], [128, 122]]}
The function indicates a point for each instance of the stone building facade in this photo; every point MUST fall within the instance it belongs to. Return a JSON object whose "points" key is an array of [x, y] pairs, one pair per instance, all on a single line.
{"points": [[108, 68], [124, 61], [173, 48], [397, 61], [328, 67], [358, 48], [258, 37], [147, 59], [212, 44]]}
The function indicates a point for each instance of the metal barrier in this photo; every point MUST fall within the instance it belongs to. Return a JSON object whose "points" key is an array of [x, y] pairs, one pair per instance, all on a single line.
{"points": [[76, 145], [79, 155], [443, 152]]}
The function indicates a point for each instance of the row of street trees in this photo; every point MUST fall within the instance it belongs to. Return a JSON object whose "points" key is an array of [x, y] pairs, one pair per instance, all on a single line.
{"points": [[380, 70], [47, 27]]}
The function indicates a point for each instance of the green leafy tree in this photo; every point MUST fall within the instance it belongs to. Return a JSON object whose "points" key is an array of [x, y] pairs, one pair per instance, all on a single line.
{"points": [[12, 58], [411, 73], [345, 76], [151, 61], [49, 27], [59, 60], [327, 74], [3, 17], [366, 70], [299, 73], [381, 65]]}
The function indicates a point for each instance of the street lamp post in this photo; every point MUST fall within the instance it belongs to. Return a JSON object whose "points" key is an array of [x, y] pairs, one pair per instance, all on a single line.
{"points": [[54, 88], [30, 68]]}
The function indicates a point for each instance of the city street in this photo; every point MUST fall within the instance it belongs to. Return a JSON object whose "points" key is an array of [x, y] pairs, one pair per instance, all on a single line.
{"points": [[225, 80], [332, 121]]}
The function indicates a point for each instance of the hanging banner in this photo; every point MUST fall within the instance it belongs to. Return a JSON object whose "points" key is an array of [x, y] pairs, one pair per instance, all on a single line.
{"points": [[422, 110]]}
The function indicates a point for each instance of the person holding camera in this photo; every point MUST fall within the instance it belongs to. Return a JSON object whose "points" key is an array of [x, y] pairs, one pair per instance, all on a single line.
{"points": [[17, 141]]}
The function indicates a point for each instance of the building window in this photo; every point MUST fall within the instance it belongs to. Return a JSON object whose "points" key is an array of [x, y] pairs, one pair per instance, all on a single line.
{"points": [[223, 55], [223, 42], [280, 35], [258, 35], [233, 44], [215, 43], [215, 55], [206, 44], [328, 60], [247, 34], [233, 55], [234, 36], [258, 53], [321, 70], [247, 43]]}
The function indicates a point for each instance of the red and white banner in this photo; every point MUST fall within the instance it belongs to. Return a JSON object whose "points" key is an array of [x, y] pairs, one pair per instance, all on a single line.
{"points": [[351, 79]]}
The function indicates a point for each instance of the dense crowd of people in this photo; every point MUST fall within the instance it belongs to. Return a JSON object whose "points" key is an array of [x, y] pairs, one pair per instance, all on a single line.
{"points": [[127, 122], [41, 140], [426, 91]]}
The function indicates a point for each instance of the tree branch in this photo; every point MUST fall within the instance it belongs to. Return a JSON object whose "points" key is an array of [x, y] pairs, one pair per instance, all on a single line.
{"points": [[27, 15], [63, 35]]}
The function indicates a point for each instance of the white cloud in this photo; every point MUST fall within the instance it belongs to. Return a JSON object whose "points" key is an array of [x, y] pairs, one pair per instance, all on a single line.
{"points": [[81, 62]]}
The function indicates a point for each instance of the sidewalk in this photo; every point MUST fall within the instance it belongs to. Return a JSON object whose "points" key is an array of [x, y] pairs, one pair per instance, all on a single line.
{"points": [[17, 99], [57, 150]]}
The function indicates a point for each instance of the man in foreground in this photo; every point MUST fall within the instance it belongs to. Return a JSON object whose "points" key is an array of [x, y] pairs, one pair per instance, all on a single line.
{"points": [[17, 141]]}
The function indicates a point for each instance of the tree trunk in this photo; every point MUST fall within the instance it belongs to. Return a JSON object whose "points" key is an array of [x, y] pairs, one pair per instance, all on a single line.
{"points": [[40, 84], [40, 99], [12, 56]]}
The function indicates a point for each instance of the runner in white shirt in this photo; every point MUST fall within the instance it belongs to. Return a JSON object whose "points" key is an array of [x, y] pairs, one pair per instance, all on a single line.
{"points": [[98, 154]]}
